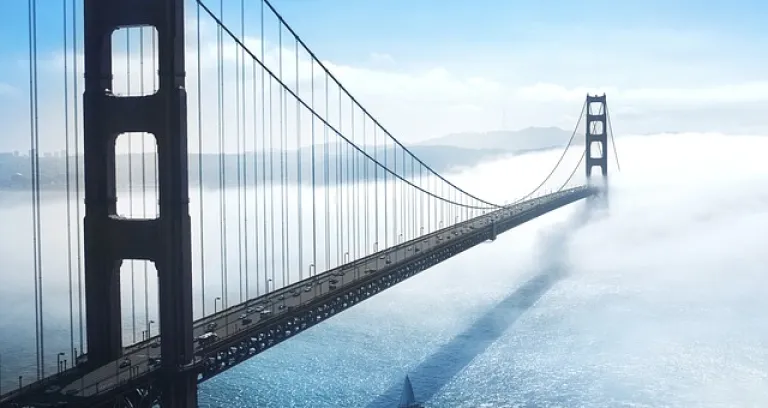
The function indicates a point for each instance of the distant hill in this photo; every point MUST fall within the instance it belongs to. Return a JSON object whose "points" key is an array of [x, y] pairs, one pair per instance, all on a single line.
{"points": [[516, 141], [337, 161]]}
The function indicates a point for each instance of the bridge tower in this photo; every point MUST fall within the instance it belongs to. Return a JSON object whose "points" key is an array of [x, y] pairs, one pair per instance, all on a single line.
{"points": [[597, 135], [110, 239]]}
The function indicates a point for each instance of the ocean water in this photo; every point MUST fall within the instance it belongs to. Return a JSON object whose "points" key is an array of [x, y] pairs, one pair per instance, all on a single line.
{"points": [[657, 300]]}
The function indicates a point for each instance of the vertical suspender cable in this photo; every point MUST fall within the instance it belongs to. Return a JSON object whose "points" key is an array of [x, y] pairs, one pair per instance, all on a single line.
{"points": [[76, 114], [314, 170], [272, 182], [35, 173], [244, 151], [348, 187], [144, 182], [299, 185], [353, 184], [365, 183], [257, 157], [263, 155], [222, 209], [403, 199], [68, 185], [200, 189], [224, 196], [326, 174], [238, 178], [339, 194], [376, 188], [394, 199], [156, 181], [386, 199], [284, 168], [413, 200], [281, 99], [130, 180]]}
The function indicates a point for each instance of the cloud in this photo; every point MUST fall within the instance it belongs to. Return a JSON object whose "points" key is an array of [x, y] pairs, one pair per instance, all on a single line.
{"points": [[435, 98], [378, 58], [7, 89], [756, 91], [379, 89]]}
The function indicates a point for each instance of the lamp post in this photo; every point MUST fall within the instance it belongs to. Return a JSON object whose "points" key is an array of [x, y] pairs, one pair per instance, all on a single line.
{"points": [[58, 361], [215, 304]]}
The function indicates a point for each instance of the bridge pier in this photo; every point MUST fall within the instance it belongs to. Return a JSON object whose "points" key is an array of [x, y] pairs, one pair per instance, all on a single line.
{"points": [[110, 239]]}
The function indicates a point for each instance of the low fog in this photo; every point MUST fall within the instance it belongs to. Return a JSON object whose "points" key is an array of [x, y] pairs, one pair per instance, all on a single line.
{"points": [[656, 301], [653, 300]]}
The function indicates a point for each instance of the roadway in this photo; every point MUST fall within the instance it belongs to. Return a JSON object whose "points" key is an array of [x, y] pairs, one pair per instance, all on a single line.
{"points": [[144, 357]]}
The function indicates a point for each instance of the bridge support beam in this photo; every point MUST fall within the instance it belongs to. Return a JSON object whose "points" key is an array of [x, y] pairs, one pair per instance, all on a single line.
{"points": [[597, 135], [110, 239]]}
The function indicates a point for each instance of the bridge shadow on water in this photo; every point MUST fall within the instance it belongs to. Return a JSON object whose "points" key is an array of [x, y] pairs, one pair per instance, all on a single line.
{"points": [[432, 374]]}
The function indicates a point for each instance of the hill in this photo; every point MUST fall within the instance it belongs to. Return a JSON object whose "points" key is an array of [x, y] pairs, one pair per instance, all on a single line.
{"points": [[516, 141]]}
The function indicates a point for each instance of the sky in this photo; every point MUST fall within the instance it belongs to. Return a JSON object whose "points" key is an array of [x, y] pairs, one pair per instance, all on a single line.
{"points": [[429, 68]]}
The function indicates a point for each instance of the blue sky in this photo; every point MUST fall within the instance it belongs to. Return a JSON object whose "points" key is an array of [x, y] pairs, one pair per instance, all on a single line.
{"points": [[414, 25], [424, 31], [668, 65]]}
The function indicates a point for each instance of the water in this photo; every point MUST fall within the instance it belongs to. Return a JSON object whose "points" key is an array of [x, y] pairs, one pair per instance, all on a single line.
{"points": [[656, 302]]}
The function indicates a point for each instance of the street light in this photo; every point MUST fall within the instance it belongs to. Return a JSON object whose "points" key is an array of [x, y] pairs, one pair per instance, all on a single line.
{"points": [[58, 361], [215, 304]]}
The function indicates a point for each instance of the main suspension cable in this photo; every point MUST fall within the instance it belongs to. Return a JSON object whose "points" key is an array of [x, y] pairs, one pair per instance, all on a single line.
{"points": [[362, 108], [559, 160], [331, 127], [575, 169], [613, 141]]}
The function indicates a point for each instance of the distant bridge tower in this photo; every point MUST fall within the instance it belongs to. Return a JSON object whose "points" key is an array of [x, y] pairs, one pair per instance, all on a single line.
{"points": [[110, 239], [597, 135]]}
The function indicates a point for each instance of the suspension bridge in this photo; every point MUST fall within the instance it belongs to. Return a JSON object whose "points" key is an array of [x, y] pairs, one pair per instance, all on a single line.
{"points": [[302, 203]]}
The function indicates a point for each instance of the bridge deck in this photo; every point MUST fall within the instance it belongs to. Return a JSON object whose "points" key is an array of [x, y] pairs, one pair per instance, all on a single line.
{"points": [[292, 308]]}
